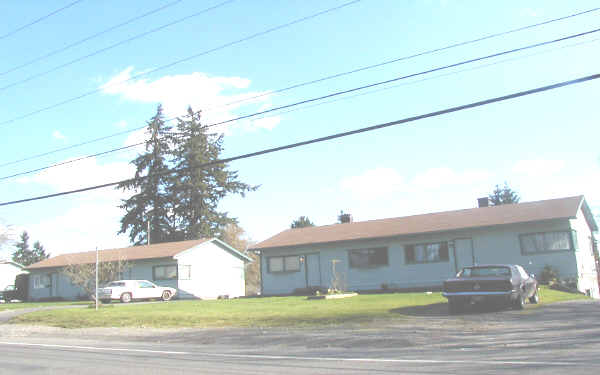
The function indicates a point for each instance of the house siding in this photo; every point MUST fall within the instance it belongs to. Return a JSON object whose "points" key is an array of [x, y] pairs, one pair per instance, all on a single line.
{"points": [[498, 244], [587, 275]]}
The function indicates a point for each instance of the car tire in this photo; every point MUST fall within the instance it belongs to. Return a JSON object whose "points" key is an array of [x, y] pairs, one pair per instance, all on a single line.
{"points": [[454, 307], [535, 299], [105, 300], [126, 297], [519, 303], [166, 295]]}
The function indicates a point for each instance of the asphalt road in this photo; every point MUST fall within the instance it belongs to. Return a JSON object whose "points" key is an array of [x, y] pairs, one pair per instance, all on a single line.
{"points": [[556, 339]]}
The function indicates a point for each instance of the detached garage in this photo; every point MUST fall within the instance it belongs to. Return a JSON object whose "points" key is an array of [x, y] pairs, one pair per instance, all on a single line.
{"points": [[206, 268]]}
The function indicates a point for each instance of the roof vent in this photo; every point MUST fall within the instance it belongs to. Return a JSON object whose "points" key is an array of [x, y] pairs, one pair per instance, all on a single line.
{"points": [[483, 202], [344, 218]]}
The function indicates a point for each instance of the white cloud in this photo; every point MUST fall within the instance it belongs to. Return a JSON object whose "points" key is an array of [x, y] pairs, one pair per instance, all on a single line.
{"points": [[58, 135], [538, 167], [176, 93], [121, 124], [374, 182], [268, 123]]}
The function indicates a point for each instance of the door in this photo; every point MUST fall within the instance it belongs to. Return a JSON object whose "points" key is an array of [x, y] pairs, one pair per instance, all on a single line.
{"points": [[313, 270], [463, 253], [54, 285]]}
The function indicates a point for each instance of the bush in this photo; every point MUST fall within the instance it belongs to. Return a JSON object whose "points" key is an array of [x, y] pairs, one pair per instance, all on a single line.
{"points": [[549, 275]]}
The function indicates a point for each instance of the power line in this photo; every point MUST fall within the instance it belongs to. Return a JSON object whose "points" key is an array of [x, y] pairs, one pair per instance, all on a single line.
{"points": [[335, 94], [324, 79], [334, 136], [206, 52], [38, 20], [97, 52], [80, 41]]}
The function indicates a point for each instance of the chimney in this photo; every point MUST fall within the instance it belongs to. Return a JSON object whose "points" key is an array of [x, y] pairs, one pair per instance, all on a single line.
{"points": [[344, 218], [483, 202]]}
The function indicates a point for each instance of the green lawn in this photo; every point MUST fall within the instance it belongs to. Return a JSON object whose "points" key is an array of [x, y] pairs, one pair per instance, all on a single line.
{"points": [[27, 305], [257, 312]]}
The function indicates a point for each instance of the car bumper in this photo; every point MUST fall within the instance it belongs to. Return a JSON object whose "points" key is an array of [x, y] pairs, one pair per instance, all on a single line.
{"points": [[479, 297]]}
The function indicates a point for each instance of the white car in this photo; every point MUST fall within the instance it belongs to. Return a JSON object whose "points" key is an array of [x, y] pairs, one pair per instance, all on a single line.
{"points": [[128, 290]]}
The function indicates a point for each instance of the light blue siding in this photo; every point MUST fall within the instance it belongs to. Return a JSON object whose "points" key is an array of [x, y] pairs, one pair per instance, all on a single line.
{"points": [[499, 244]]}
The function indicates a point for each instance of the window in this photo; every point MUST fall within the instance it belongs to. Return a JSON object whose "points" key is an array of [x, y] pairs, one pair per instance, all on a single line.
{"points": [[41, 281], [484, 271], [164, 272], [145, 284], [368, 258], [185, 272], [284, 264], [426, 253], [546, 242]]}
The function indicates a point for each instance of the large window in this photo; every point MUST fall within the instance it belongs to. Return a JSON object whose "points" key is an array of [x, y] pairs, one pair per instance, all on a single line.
{"points": [[41, 281], [426, 253], [164, 272], [533, 243], [284, 264], [368, 258]]}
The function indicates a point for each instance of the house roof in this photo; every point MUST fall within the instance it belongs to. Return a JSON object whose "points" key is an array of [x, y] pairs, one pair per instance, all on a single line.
{"points": [[160, 250], [430, 223]]}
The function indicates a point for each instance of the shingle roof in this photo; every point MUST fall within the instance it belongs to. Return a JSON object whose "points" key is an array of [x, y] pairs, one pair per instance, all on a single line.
{"points": [[429, 223], [161, 250]]}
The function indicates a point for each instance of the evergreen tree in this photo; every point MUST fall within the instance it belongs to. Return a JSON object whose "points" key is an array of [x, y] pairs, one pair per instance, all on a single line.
{"points": [[195, 190], [151, 202], [25, 256], [301, 222], [504, 195]]}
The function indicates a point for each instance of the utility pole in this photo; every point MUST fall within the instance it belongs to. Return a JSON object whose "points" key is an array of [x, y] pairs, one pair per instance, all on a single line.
{"points": [[96, 278]]}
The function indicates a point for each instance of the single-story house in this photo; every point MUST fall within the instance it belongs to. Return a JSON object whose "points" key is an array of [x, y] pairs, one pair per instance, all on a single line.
{"points": [[421, 251], [8, 273], [205, 268]]}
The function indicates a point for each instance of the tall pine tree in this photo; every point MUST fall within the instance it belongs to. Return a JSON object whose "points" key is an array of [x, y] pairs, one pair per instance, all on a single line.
{"points": [[504, 195], [151, 203], [196, 190], [24, 255]]}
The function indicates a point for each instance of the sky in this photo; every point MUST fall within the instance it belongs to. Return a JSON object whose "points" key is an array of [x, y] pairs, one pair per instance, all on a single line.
{"points": [[96, 69]]}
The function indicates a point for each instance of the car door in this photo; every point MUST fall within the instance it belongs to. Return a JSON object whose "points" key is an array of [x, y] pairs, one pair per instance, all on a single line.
{"points": [[527, 282], [146, 289]]}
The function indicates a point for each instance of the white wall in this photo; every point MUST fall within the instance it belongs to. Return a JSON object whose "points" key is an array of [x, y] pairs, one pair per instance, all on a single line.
{"points": [[586, 263], [214, 272]]}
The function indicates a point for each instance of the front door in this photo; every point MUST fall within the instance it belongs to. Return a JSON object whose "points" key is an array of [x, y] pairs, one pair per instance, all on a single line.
{"points": [[463, 253], [313, 270]]}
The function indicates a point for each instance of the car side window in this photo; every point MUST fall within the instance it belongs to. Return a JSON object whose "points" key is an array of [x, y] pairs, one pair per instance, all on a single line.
{"points": [[143, 284], [522, 272]]}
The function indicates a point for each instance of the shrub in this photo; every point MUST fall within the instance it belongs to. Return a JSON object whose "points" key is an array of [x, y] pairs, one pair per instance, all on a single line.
{"points": [[549, 275]]}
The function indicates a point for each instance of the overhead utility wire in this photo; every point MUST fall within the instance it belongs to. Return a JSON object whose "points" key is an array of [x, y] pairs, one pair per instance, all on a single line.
{"points": [[323, 79], [97, 52], [460, 44], [330, 137], [39, 19], [324, 97], [81, 41], [206, 52], [405, 77]]}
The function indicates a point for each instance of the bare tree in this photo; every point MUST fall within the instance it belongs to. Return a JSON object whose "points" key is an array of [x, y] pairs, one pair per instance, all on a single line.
{"points": [[84, 275]]}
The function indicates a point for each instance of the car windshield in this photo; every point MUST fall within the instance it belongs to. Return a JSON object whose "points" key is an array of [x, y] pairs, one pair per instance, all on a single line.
{"points": [[116, 284], [484, 271]]}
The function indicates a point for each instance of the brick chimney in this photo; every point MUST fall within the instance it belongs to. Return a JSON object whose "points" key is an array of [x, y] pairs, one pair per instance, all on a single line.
{"points": [[483, 202]]}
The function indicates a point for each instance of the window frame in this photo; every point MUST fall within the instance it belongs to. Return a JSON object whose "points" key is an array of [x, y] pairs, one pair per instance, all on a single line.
{"points": [[38, 281], [371, 254], [443, 245], [283, 264], [154, 268], [571, 235]]}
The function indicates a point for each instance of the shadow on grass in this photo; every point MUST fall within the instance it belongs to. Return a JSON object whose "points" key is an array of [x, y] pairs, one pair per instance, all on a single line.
{"points": [[441, 309]]}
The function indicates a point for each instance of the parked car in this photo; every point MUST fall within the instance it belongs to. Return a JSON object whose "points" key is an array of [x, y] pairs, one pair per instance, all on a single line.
{"points": [[129, 290], [505, 283], [9, 293]]}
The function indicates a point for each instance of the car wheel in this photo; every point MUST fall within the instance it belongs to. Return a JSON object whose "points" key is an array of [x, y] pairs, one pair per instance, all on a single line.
{"points": [[126, 297], [454, 307], [535, 298], [105, 300], [166, 295], [520, 302]]}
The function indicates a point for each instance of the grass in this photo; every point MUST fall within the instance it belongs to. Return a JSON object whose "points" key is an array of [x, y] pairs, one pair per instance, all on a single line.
{"points": [[256, 312], [28, 305]]}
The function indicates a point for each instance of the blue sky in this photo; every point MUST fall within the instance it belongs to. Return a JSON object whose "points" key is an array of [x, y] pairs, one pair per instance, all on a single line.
{"points": [[544, 146]]}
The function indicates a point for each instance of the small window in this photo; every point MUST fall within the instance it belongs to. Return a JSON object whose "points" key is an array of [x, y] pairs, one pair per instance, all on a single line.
{"points": [[284, 264], [185, 272], [145, 284], [164, 272], [368, 258], [532, 243], [426, 253], [41, 281]]}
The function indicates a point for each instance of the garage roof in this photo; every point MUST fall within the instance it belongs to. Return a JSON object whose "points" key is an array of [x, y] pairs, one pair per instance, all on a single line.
{"points": [[433, 222]]}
